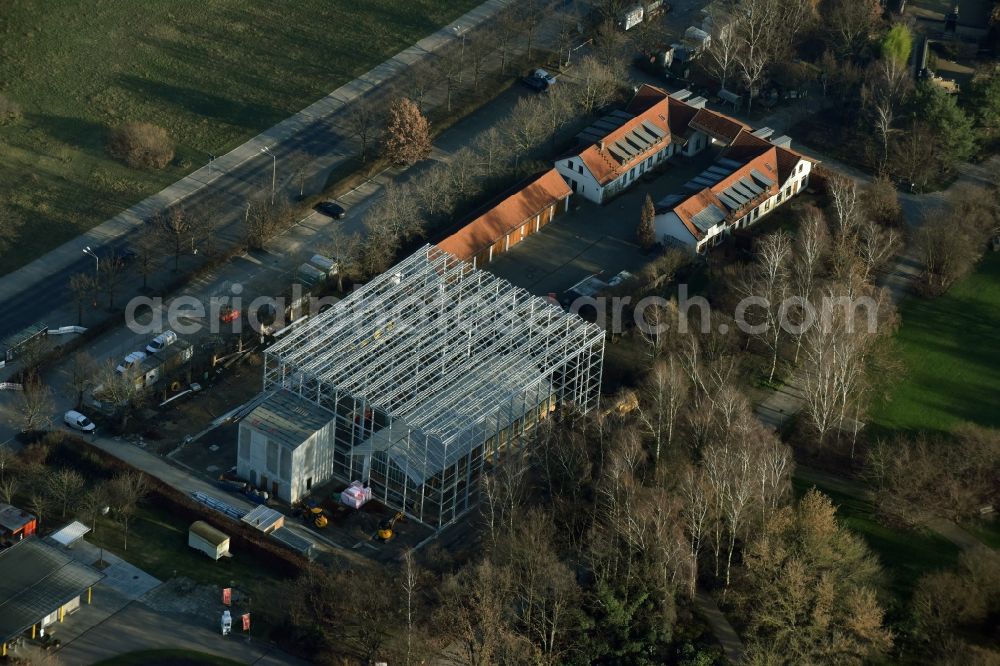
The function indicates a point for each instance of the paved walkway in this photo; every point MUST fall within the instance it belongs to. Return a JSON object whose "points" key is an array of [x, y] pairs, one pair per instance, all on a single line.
{"points": [[723, 631]]}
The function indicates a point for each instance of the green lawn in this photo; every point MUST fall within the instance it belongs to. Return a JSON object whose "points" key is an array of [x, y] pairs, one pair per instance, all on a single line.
{"points": [[213, 72], [905, 554], [950, 348], [157, 543]]}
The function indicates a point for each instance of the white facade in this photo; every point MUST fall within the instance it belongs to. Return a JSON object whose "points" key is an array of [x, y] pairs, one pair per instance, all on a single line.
{"points": [[287, 470], [583, 182], [670, 229]]}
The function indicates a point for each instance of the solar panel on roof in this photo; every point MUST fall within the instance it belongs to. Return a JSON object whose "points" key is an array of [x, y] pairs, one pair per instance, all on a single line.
{"points": [[732, 164], [590, 135], [621, 157], [644, 143], [624, 146], [730, 203], [645, 133], [719, 171], [670, 201], [761, 178], [736, 196], [653, 129], [708, 217], [618, 113], [750, 185], [738, 187], [704, 182]]}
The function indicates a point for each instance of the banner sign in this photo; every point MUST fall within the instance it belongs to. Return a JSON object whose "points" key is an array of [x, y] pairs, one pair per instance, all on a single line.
{"points": [[246, 622], [227, 596]]}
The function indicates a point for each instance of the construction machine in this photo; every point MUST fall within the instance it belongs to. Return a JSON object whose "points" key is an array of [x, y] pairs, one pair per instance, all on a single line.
{"points": [[385, 532]]}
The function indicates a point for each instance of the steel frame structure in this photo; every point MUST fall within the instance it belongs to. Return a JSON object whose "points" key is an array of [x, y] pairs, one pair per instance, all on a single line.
{"points": [[434, 370]]}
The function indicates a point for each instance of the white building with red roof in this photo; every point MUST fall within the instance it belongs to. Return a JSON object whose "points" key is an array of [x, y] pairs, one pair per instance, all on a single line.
{"points": [[751, 179]]}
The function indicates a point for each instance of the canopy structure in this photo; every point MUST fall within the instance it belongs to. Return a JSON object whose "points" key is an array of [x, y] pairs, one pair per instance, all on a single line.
{"points": [[37, 580], [432, 370], [69, 535]]}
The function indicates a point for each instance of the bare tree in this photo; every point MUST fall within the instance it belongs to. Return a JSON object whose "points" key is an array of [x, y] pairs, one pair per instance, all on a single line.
{"points": [[699, 500], [83, 286], [850, 23], [876, 245], [883, 91], [93, 505], [596, 85], [64, 486], [480, 47], [493, 152], [506, 25], [111, 276], [768, 279], [419, 80], [35, 404], [664, 393], [449, 64], [410, 585], [175, 231], [265, 219], [342, 248], [82, 372], [118, 389], [8, 461], [724, 48], [756, 28], [364, 120], [809, 251], [126, 490], [147, 251], [8, 488]]}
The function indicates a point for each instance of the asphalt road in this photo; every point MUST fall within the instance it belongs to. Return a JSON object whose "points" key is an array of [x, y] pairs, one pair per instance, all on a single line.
{"points": [[227, 195]]}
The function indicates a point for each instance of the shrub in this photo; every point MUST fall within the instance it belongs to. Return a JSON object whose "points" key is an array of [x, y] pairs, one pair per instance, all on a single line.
{"points": [[10, 111], [141, 145]]}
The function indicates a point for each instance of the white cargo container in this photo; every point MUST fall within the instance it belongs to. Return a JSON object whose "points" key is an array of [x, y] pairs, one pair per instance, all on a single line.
{"points": [[207, 539]]}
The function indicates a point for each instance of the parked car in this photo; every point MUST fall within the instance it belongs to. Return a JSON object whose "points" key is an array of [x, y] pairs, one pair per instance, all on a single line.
{"points": [[78, 421], [331, 208], [538, 80], [161, 342], [131, 361]]}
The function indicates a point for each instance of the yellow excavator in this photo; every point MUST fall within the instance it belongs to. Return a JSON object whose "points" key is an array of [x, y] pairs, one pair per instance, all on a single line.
{"points": [[385, 532]]}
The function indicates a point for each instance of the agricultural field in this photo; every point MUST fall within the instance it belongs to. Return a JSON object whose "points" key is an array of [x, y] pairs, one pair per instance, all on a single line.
{"points": [[951, 359], [212, 72]]}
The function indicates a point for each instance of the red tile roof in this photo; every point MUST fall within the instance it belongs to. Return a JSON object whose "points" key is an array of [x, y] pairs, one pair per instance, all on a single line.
{"points": [[537, 195], [649, 105], [717, 125], [765, 164]]}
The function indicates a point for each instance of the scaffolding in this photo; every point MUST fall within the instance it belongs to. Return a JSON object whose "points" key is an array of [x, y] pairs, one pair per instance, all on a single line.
{"points": [[433, 371]]}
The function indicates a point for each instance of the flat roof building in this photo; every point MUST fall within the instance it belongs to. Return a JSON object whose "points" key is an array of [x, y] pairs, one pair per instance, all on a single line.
{"points": [[38, 586], [430, 373]]}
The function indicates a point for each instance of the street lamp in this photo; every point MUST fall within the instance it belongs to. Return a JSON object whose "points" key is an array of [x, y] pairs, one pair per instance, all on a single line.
{"points": [[93, 254], [274, 169], [211, 158], [461, 58]]}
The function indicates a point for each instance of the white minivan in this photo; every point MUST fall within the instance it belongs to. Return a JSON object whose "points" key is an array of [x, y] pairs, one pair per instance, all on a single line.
{"points": [[161, 342], [78, 421]]}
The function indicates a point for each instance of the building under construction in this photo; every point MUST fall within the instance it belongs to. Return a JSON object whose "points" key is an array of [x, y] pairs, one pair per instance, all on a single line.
{"points": [[425, 378]]}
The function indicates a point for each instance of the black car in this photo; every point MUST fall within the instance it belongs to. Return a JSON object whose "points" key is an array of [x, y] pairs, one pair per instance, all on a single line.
{"points": [[536, 83], [331, 208]]}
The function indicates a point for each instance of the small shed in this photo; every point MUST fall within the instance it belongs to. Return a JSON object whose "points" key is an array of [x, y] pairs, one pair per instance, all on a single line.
{"points": [[264, 518], [15, 523], [207, 539]]}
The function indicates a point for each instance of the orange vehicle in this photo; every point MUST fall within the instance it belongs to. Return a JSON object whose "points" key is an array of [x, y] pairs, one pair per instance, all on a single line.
{"points": [[228, 314]]}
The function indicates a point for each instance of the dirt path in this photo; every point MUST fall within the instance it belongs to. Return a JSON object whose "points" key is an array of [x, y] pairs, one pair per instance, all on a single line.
{"points": [[723, 631]]}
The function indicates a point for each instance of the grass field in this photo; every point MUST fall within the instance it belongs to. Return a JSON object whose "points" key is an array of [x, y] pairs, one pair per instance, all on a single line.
{"points": [[213, 72], [949, 347]]}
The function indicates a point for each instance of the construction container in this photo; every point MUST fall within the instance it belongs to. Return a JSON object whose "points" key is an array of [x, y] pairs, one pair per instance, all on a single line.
{"points": [[207, 539]]}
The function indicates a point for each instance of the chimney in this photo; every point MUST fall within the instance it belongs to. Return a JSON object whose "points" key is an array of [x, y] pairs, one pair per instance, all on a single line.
{"points": [[600, 145]]}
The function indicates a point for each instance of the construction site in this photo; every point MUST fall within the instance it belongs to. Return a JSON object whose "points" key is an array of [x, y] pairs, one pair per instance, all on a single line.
{"points": [[415, 386]]}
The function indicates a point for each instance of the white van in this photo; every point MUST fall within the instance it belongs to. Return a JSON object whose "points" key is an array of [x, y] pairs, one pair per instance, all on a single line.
{"points": [[161, 342], [78, 421]]}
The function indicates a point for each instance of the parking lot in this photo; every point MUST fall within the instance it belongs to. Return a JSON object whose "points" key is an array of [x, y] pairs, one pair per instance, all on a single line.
{"points": [[592, 239]]}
